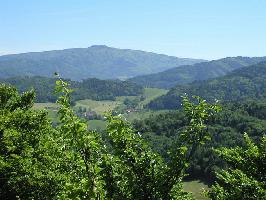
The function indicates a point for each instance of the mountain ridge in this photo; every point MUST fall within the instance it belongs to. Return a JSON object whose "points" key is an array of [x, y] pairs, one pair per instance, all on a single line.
{"points": [[199, 71], [239, 85], [97, 61]]}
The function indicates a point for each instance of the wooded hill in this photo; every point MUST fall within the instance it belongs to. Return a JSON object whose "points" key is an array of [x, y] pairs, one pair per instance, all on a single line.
{"points": [[199, 71], [97, 61], [226, 129], [87, 89], [241, 84]]}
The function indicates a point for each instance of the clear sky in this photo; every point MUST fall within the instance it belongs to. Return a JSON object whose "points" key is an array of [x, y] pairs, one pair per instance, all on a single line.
{"points": [[207, 29]]}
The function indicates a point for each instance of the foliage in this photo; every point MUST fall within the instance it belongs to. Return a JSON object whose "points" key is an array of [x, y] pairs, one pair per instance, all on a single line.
{"points": [[26, 169], [39, 161], [246, 177], [83, 152], [226, 129], [149, 176], [131, 103]]}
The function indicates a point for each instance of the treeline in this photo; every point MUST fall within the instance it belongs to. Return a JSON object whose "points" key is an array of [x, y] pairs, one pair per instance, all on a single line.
{"points": [[226, 130], [87, 89], [242, 84]]}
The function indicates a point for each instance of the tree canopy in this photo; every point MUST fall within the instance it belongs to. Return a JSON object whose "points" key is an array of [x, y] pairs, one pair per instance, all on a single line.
{"points": [[40, 161]]}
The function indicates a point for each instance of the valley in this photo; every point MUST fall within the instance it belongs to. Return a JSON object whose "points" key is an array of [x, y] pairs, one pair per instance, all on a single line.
{"points": [[133, 100], [94, 110]]}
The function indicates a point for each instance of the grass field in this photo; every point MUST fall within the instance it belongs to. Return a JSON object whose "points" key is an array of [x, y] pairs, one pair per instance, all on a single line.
{"points": [[100, 107], [142, 114], [196, 187], [51, 109], [97, 125], [45, 105], [152, 93], [122, 98]]}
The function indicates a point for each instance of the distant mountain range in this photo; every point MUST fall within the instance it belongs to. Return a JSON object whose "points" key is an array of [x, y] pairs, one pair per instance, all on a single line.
{"points": [[97, 61], [240, 85], [199, 71]]}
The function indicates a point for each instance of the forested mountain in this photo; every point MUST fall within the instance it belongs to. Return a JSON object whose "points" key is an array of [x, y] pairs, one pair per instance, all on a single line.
{"points": [[87, 89], [97, 61], [199, 71], [241, 84]]}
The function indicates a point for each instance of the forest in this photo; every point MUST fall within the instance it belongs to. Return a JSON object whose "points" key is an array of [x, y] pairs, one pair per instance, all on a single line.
{"points": [[226, 130], [197, 72], [41, 160], [239, 85], [92, 88]]}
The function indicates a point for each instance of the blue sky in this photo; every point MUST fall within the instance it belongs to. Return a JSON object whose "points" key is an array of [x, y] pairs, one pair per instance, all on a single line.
{"points": [[207, 29]]}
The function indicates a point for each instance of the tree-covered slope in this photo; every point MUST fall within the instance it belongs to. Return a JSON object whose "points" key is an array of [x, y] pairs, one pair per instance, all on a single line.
{"points": [[226, 129], [199, 71], [96, 61], [87, 89], [241, 84]]}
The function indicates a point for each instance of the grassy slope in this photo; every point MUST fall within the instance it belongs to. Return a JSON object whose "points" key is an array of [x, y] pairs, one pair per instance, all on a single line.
{"points": [[152, 93], [100, 107], [104, 106], [45, 105], [97, 125], [196, 187], [51, 109]]}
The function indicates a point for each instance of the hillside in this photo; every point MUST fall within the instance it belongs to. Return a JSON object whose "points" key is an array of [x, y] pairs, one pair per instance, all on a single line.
{"points": [[226, 129], [199, 71], [87, 89], [97, 61], [241, 84]]}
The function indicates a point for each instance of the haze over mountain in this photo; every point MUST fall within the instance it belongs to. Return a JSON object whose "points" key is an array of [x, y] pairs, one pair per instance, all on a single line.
{"points": [[97, 61], [241, 84], [199, 71]]}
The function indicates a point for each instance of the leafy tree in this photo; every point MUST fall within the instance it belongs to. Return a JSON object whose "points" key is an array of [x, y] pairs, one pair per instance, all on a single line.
{"points": [[246, 176], [27, 171], [82, 150], [148, 175]]}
